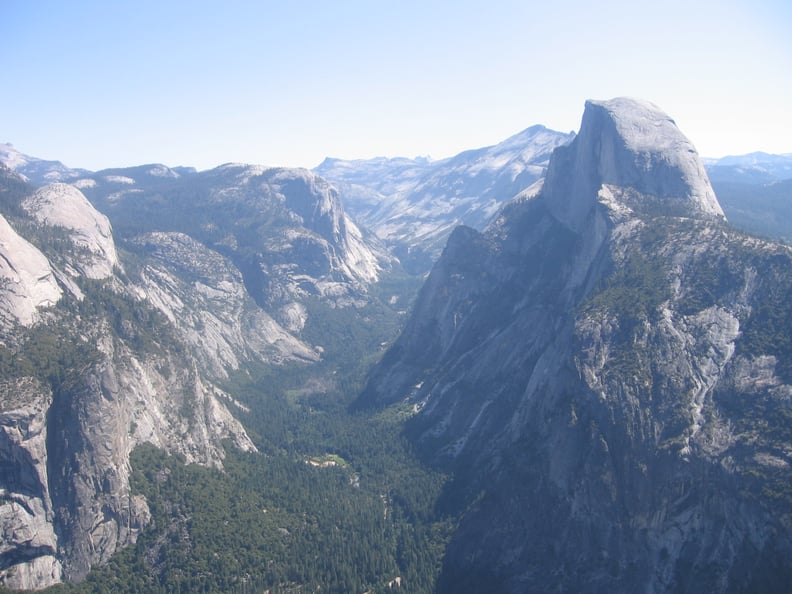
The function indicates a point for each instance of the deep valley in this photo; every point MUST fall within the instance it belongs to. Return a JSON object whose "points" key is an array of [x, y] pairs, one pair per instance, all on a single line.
{"points": [[560, 363]]}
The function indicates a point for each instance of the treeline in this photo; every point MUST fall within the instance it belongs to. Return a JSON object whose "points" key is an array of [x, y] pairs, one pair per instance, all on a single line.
{"points": [[270, 521], [279, 524]]}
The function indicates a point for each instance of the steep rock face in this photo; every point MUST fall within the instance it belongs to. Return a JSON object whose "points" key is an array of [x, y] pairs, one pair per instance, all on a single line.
{"points": [[28, 546], [604, 371], [63, 206], [284, 229], [318, 205], [100, 373], [108, 408], [203, 294], [27, 281], [414, 205], [72, 507], [627, 143]]}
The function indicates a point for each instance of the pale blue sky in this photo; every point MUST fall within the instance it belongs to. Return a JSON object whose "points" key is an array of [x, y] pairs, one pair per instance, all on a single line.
{"points": [[103, 83]]}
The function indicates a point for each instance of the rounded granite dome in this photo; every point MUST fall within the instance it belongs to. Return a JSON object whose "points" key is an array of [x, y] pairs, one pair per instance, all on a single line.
{"points": [[632, 144], [63, 205]]}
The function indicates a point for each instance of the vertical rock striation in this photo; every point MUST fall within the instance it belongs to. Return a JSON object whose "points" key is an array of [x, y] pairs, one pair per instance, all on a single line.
{"points": [[89, 372], [605, 373], [28, 543]]}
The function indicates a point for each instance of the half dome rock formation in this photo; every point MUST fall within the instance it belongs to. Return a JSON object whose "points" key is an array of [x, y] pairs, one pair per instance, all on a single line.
{"points": [[605, 371], [629, 144]]}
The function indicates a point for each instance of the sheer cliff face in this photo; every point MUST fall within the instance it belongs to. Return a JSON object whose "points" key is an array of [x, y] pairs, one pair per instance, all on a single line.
{"points": [[102, 350], [603, 371], [90, 369], [28, 543], [629, 144]]}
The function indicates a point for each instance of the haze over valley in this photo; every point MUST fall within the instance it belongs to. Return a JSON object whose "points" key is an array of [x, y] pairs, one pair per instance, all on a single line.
{"points": [[561, 361]]}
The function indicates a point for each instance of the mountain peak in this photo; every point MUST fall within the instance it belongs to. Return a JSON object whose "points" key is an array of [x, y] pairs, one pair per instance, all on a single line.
{"points": [[632, 144]]}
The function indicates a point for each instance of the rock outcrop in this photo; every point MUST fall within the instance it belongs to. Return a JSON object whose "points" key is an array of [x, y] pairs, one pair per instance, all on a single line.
{"points": [[120, 400], [61, 206], [629, 144], [203, 294], [27, 281], [285, 230], [91, 368], [28, 543], [604, 372]]}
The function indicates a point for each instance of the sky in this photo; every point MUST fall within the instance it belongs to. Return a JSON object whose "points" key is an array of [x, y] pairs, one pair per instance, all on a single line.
{"points": [[100, 84]]}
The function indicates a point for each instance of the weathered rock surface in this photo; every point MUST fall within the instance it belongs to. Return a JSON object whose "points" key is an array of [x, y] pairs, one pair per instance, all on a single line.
{"points": [[28, 544], [630, 144], [121, 400], [63, 206], [603, 370], [67, 504], [414, 204], [203, 294], [27, 281], [285, 230], [99, 374]]}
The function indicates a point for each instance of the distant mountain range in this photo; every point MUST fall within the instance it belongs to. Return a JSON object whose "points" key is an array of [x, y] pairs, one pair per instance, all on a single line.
{"points": [[753, 168], [755, 191], [118, 327], [412, 205], [606, 373], [597, 362]]}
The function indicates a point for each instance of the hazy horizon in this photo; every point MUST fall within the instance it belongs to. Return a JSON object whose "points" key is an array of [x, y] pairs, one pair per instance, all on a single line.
{"points": [[199, 84]]}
